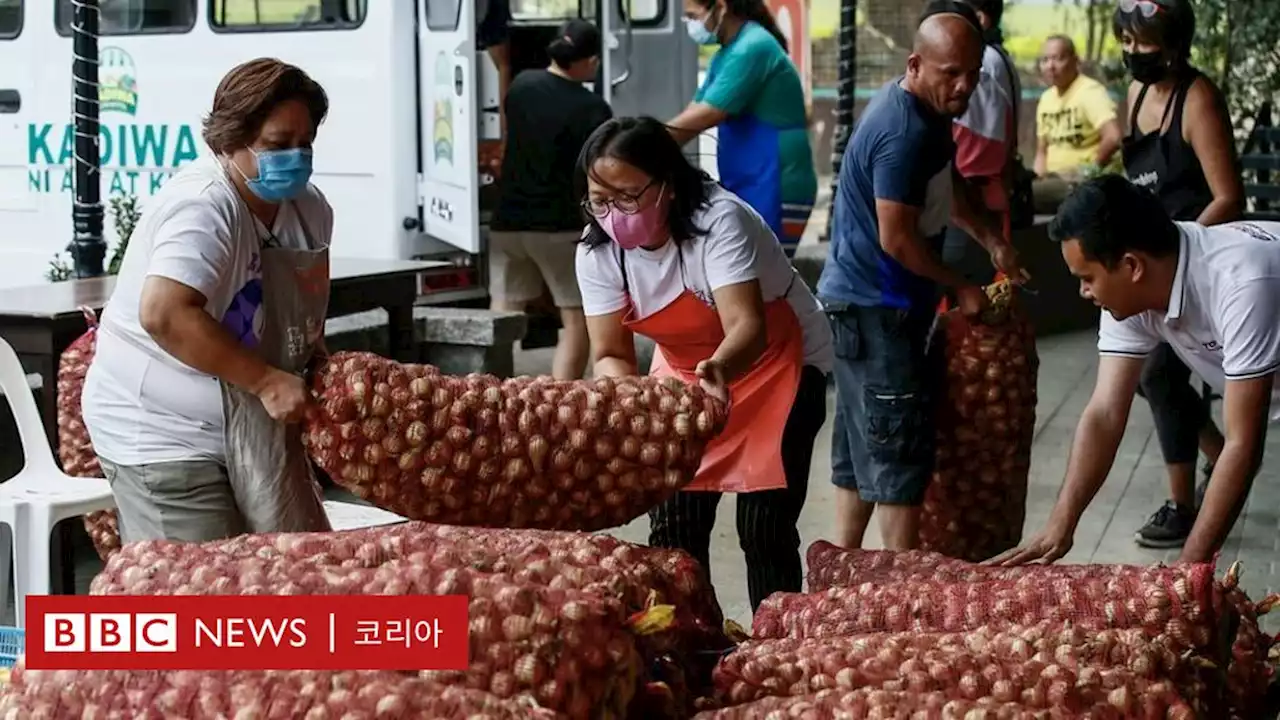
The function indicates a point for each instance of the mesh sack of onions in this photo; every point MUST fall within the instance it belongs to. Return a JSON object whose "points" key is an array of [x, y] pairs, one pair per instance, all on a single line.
{"points": [[1248, 672], [679, 636], [1042, 667], [248, 695], [75, 450], [1151, 700], [573, 651], [1178, 601], [976, 503], [517, 453]]}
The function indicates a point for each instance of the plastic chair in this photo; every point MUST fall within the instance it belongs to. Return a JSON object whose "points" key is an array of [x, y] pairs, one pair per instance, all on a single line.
{"points": [[39, 496]]}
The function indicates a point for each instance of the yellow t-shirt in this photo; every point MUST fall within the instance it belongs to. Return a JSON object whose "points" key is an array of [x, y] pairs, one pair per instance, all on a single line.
{"points": [[1069, 122]]}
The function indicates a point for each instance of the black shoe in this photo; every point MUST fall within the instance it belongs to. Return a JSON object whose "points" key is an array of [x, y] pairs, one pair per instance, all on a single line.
{"points": [[1168, 527], [1207, 472]]}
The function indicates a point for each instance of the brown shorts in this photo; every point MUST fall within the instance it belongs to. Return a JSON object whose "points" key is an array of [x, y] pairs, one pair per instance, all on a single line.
{"points": [[520, 262]]}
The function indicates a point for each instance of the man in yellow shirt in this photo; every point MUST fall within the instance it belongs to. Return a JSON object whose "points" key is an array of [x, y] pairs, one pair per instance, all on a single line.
{"points": [[1076, 125]]}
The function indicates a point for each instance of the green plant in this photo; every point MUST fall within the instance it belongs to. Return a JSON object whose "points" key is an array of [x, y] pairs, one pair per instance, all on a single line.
{"points": [[125, 215]]}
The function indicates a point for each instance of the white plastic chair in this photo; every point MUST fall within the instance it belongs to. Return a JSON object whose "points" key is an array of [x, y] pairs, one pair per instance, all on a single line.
{"points": [[39, 496]]}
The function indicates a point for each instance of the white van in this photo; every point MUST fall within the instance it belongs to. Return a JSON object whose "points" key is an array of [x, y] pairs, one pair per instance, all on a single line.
{"points": [[411, 100]]}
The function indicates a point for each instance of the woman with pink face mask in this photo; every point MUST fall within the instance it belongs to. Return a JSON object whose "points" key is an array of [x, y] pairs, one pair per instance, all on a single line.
{"points": [[671, 255]]}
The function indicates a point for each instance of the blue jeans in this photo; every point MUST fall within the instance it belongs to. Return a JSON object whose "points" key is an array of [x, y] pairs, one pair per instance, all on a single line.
{"points": [[887, 380]]}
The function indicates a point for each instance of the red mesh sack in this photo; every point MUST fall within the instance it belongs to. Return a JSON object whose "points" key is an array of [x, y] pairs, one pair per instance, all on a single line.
{"points": [[571, 649], [831, 566], [1154, 700], [249, 695], [518, 453], [678, 635], [75, 450], [1178, 601], [1041, 667], [975, 506], [1248, 674]]}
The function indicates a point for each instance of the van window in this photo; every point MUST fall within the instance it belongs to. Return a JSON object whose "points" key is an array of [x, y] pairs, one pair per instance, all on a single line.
{"points": [[10, 19], [133, 17], [249, 15], [443, 14], [557, 11], [643, 12]]}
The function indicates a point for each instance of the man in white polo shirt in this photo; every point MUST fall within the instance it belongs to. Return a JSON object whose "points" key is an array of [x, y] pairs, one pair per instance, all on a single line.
{"points": [[1213, 294]]}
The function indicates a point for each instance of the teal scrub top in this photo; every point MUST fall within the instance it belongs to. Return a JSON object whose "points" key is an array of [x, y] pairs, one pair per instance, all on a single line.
{"points": [[763, 155]]}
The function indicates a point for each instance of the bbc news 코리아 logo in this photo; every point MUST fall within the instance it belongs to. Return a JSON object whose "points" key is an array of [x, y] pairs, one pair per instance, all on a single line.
{"points": [[298, 632], [117, 82]]}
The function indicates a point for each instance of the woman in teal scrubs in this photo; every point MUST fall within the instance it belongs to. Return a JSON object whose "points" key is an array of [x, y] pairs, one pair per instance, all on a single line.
{"points": [[753, 95]]}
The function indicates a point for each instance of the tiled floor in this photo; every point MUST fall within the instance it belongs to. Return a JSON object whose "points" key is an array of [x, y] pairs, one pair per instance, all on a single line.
{"points": [[1134, 489]]}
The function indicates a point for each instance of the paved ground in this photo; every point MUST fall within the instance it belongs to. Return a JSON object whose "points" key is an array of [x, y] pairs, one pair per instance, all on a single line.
{"points": [[1134, 489]]}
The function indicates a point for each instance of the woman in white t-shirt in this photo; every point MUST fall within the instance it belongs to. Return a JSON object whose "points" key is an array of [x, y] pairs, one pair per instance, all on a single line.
{"points": [[193, 398], [672, 255]]}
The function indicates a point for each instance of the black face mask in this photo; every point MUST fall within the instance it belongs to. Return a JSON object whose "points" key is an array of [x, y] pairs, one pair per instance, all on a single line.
{"points": [[1147, 68]]}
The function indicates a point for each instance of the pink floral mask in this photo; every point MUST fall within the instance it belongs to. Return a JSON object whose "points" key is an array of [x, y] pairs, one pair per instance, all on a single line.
{"points": [[639, 228]]}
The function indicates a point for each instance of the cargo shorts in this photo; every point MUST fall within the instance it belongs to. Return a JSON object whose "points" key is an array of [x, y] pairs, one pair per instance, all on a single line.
{"points": [[887, 376]]}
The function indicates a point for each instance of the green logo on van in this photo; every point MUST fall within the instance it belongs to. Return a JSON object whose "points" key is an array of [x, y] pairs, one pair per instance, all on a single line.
{"points": [[117, 82]]}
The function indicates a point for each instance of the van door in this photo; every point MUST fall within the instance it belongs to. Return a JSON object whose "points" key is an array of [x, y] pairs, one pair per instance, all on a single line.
{"points": [[447, 146], [651, 66], [17, 84]]}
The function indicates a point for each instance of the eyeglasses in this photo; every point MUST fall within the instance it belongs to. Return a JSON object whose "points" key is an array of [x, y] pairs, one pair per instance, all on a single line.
{"points": [[1147, 8], [624, 203]]}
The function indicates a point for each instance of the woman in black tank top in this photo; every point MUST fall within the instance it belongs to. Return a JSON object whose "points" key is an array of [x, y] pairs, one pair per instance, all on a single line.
{"points": [[1180, 147]]}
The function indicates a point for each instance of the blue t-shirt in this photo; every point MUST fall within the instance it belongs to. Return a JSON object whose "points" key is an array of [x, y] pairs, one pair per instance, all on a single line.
{"points": [[901, 151]]}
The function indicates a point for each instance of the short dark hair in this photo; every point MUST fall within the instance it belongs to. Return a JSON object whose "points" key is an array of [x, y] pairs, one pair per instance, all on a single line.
{"points": [[1065, 40], [647, 144], [994, 9], [248, 94], [951, 7], [1110, 216], [1173, 28], [576, 40]]}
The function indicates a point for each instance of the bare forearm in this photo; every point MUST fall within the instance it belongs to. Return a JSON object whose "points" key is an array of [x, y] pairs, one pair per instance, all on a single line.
{"points": [[1041, 163], [1106, 151], [970, 215], [1093, 452], [615, 367], [912, 253], [192, 336], [741, 348], [681, 134], [1220, 210], [1232, 478]]}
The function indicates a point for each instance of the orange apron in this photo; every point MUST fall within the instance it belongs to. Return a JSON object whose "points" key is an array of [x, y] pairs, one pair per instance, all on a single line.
{"points": [[747, 456]]}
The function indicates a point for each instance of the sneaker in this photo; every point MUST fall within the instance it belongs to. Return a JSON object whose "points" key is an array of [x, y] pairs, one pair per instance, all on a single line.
{"points": [[1206, 472], [1168, 527]]}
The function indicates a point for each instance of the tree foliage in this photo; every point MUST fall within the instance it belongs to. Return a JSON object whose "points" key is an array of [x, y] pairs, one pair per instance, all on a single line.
{"points": [[1237, 44]]}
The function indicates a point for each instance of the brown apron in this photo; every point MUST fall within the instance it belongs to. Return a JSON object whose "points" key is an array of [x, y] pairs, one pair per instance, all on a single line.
{"points": [[270, 473]]}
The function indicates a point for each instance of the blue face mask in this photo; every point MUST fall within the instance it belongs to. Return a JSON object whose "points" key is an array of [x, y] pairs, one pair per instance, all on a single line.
{"points": [[698, 31], [282, 174]]}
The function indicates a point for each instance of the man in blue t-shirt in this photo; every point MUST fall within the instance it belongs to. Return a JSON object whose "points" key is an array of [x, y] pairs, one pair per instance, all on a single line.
{"points": [[897, 191]]}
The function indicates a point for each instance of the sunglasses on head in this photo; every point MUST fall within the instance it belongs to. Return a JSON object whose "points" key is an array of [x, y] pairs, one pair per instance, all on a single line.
{"points": [[1147, 8]]}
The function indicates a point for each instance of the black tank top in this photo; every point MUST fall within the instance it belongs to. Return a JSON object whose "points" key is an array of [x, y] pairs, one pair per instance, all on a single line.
{"points": [[1166, 163]]}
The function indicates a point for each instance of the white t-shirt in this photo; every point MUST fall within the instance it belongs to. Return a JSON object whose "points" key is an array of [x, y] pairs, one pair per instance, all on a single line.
{"points": [[142, 405], [1224, 311], [738, 247]]}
